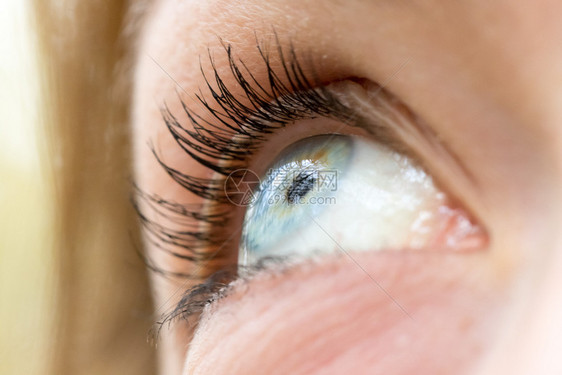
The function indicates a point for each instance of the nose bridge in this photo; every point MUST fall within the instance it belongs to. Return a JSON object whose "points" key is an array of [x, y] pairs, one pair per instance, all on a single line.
{"points": [[545, 339], [538, 339], [525, 77], [532, 342]]}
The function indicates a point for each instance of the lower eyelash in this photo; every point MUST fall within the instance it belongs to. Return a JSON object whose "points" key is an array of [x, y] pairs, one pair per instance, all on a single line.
{"points": [[216, 287], [224, 144], [195, 299]]}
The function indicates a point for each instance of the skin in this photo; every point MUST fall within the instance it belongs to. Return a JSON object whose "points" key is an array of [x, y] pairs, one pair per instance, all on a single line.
{"points": [[486, 78]]}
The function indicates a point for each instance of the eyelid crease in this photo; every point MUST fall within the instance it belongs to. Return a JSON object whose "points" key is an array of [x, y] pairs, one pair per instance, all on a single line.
{"points": [[375, 105]]}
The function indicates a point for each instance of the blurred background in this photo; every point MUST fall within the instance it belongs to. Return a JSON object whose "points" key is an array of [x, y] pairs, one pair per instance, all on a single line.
{"points": [[26, 269]]}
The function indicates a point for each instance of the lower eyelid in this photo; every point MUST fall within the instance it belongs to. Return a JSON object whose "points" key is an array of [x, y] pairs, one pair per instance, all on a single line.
{"points": [[389, 296]]}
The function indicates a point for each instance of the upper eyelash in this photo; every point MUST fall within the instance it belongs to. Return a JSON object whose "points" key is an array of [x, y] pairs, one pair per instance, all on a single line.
{"points": [[224, 143], [244, 126]]}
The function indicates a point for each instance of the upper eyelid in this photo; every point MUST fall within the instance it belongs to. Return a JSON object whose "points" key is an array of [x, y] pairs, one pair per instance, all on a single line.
{"points": [[242, 124]]}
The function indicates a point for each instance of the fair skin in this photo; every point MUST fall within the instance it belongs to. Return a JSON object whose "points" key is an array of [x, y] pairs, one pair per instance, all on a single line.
{"points": [[486, 78]]}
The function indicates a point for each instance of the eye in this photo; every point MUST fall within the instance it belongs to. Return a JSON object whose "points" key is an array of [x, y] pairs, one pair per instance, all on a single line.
{"points": [[345, 171], [329, 192], [343, 166]]}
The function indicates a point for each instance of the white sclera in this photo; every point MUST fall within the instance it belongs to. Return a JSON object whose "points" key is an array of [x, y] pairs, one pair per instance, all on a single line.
{"points": [[383, 201]]}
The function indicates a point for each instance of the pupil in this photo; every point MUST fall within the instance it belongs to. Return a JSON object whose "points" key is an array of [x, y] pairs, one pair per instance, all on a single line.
{"points": [[301, 185]]}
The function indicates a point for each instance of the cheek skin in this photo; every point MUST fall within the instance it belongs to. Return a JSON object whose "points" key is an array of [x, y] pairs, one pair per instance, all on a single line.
{"points": [[331, 318]]}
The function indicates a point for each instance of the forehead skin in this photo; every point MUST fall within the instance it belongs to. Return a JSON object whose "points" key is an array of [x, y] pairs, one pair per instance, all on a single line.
{"points": [[486, 77]]}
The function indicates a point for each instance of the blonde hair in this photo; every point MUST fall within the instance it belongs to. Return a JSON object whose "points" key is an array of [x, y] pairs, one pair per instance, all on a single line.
{"points": [[102, 301]]}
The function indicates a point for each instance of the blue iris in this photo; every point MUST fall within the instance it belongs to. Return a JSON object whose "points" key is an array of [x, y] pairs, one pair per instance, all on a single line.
{"points": [[300, 184]]}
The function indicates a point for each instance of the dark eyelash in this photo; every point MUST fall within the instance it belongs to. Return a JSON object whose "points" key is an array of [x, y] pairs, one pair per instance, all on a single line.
{"points": [[268, 109], [222, 141], [214, 288]]}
